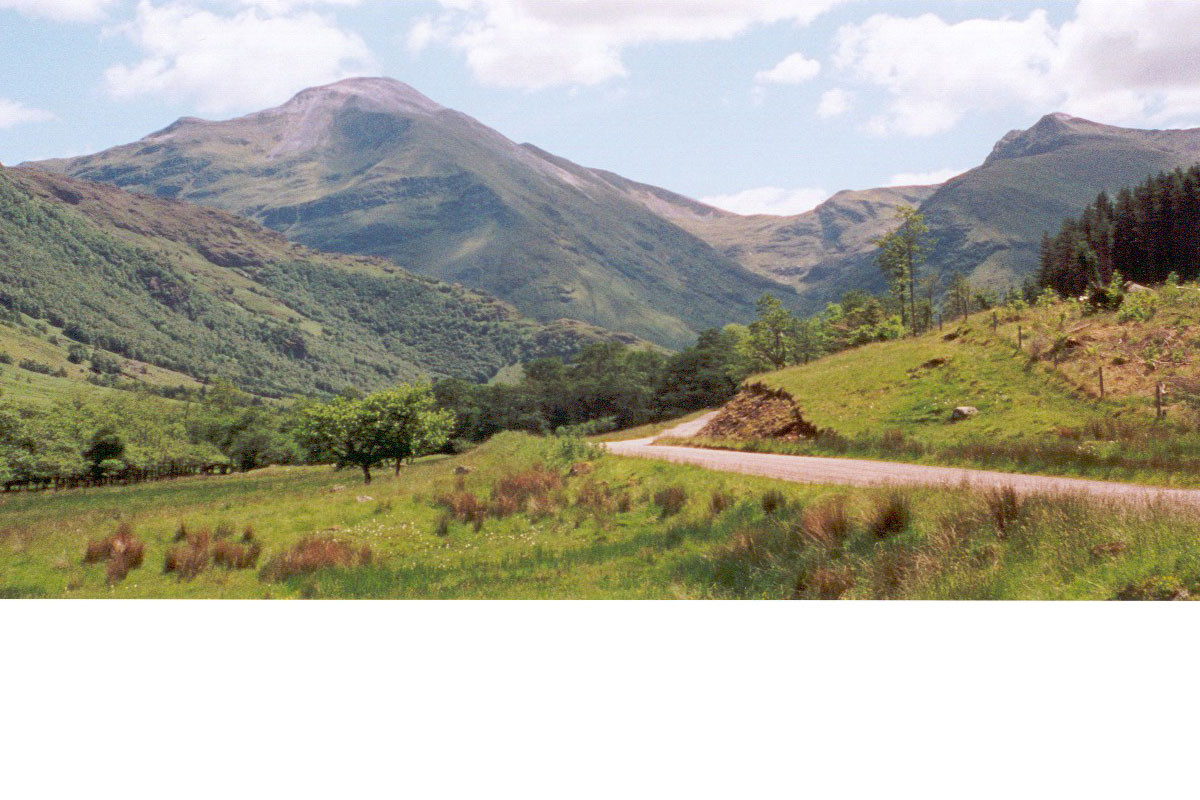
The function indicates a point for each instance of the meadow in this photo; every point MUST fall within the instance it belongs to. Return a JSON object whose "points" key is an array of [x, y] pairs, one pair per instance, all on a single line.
{"points": [[554, 518], [1033, 373]]}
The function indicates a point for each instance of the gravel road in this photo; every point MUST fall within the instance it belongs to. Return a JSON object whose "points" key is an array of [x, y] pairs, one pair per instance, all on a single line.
{"points": [[859, 472]]}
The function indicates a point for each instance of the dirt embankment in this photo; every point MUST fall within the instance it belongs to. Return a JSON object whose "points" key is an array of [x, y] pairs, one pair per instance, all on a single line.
{"points": [[760, 412]]}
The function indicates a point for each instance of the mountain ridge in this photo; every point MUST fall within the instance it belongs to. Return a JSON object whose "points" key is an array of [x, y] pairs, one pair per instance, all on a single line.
{"points": [[371, 166]]}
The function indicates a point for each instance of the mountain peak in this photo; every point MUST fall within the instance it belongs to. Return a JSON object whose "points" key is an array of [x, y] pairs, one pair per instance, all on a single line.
{"points": [[1048, 133], [380, 94]]}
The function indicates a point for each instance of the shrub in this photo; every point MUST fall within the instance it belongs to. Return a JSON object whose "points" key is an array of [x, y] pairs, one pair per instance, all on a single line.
{"points": [[248, 534], [312, 554], [671, 499], [773, 501], [892, 516], [224, 531], [826, 524]]}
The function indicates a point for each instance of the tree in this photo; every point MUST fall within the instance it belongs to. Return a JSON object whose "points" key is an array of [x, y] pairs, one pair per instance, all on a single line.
{"points": [[106, 445], [901, 255], [772, 340], [399, 423], [959, 296]]}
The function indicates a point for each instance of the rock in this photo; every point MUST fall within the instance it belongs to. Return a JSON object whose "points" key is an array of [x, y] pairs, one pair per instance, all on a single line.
{"points": [[963, 412], [1134, 288], [461, 470], [362, 498]]}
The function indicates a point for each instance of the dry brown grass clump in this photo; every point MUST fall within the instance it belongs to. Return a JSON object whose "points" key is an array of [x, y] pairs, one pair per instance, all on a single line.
{"points": [[122, 552], [236, 556], [1108, 549], [189, 559], [892, 516], [825, 583], [773, 501], [1004, 507], [827, 523], [515, 491], [315, 553], [671, 499], [720, 502], [464, 506]]}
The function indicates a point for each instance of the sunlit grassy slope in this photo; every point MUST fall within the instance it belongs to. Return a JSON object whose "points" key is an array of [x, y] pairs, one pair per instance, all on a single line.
{"points": [[1051, 383], [626, 529]]}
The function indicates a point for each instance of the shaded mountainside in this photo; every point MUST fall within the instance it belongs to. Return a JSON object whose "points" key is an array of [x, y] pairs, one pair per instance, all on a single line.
{"points": [[371, 166], [206, 294]]}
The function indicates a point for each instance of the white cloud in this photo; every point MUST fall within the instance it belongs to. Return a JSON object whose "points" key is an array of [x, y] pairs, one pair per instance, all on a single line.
{"points": [[924, 178], [770, 200], [1128, 62], [63, 10], [796, 68], [834, 103], [936, 71], [535, 44], [13, 113], [249, 59]]}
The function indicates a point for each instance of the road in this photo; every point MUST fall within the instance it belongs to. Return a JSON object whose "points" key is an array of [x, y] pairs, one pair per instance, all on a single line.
{"points": [[860, 472]]}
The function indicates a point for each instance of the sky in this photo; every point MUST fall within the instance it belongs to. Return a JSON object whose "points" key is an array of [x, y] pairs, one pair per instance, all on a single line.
{"points": [[757, 106]]}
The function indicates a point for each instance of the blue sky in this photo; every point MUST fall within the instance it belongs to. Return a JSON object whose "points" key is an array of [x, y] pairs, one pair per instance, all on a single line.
{"points": [[764, 106]]}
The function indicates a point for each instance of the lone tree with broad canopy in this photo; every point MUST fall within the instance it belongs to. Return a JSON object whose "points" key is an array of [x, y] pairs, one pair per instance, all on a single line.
{"points": [[400, 424], [901, 256]]}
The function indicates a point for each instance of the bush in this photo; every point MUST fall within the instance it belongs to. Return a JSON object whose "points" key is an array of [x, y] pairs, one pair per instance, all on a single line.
{"points": [[235, 556], [1138, 307]]}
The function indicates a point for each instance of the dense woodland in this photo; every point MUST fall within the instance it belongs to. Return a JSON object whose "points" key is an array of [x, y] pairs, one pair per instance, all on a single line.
{"points": [[1145, 234]]}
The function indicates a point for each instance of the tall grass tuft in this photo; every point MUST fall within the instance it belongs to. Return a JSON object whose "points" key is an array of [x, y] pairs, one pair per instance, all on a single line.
{"points": [[825, 583], [1004, 506], [891, 516], [189, 559], [315, 553], [121, 552], [826, 524], [671, 500], [773, 501], [720, 502]]}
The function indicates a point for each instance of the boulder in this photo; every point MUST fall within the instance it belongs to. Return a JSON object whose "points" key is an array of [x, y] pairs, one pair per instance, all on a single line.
{"points": [[461, 470], [963, 412]]}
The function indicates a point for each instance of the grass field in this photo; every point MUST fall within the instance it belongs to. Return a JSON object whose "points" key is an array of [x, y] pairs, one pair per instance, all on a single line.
{"points": [[520, 526], [1039, 405]]}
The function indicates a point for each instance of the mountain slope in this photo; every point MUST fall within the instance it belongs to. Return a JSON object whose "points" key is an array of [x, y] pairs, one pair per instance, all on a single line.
{"points": [[206, 294], [371, 166], [987, 222]]}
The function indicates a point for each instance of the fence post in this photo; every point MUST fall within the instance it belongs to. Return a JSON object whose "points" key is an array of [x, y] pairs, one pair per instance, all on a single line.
{"points": [[1101, 383], [1019, 337], [995, 322], [1158, 401]]}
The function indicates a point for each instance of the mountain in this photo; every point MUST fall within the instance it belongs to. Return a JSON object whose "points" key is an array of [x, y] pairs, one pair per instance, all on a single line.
{"points": [[203, 293], [987, 222], [371, 166]]}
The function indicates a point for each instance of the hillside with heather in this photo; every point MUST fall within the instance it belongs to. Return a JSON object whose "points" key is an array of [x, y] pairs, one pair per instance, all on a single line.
{"points": [[159, 285]]}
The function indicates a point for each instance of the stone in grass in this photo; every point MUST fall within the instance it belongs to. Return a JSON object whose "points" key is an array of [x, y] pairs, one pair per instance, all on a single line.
{"points": [[963, 412], [461, 470]]}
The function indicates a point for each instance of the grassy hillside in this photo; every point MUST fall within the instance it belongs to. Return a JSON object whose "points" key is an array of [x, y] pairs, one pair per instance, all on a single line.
{"points": [[520, 526], [172, 288], [371, 166], [1039, 406]]}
